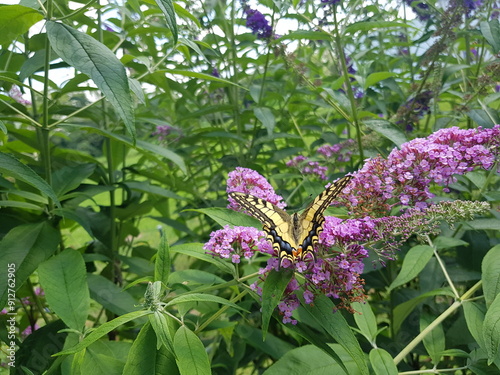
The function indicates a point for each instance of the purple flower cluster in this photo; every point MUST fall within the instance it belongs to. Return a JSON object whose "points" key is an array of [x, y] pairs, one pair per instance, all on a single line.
{"points": [[237, 242], [257, 23], [248, 181], [339, 152], [405, 176], [163, 132], [16, 94], [306, 166], [420, 8]]}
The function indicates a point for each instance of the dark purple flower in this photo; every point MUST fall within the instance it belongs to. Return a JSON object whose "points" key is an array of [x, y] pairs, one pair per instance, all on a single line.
{"points": [[258, 23], [330, 2], [420, 8], [215, 73]]}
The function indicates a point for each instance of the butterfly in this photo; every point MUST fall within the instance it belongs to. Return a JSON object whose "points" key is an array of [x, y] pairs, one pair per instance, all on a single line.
{"points": [[292, 236]]}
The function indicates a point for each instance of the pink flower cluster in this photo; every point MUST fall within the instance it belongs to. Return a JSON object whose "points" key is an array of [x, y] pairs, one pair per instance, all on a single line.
{"points": [[237, 242], [405, 177], [248, 181]]}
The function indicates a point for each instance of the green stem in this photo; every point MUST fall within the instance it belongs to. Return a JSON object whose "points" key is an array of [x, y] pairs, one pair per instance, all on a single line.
{"points": [[44, 133], [221, 311], [350, 93], [407, 350], [443, 267]]}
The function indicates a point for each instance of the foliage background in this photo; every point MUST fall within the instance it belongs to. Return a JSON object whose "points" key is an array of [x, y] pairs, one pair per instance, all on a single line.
{"points": [[192, 92]]}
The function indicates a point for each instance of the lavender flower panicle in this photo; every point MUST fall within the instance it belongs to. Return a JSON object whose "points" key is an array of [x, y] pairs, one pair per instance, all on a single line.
{"points": [[248, 181], [257, 23], [237, 242], [404, 178]]}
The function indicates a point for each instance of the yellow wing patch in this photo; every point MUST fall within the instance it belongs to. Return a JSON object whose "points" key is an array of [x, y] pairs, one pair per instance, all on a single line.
{"points": [[292, 236]]}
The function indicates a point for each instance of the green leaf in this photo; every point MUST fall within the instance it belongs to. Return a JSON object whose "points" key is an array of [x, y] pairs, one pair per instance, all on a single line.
{"points": [[36, 342], [160, 325], [365, 320], [483, 224], [10, 166], [372, 25], [77, 216], [310, 360], [146, 187], [336, 326], [192, 358], [486, 118], [491, 32], [202, 297], [491, 274], [162, 262], [149, 149], [274, 346], [225, 216], [304, 34], [374, 78], [474, 317], [404, 309], [105, 329], [196, 250], [167, 7], [98, 62], [15, 20], [203, 76], [434, 341], [388, 130], [181, 12], [23, 248], [266, 117], [414, 262], [69, 178], [272, 291], [144, 359], [110, 295], [3, 128], [64, 280], [382, 362], [19, 204], [491, 330]]}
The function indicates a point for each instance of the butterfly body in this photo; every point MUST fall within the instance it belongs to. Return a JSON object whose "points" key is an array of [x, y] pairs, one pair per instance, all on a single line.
{"points": [[292, 236]]}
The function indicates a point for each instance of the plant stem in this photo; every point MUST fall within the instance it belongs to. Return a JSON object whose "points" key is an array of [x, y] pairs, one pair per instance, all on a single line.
{"points": [[434, 324]]}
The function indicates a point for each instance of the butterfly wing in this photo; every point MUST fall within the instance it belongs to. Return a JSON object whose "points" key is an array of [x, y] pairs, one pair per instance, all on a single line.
{"points": [[312, 218], [276, 223]]}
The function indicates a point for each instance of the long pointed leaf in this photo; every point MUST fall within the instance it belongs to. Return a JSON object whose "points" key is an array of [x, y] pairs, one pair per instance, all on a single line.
{"points": [[98, 62]]}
